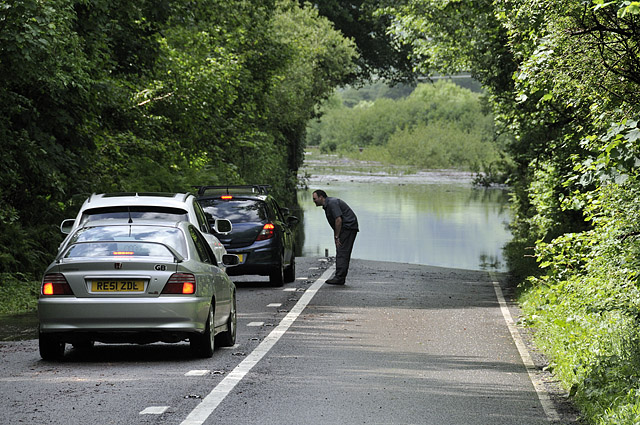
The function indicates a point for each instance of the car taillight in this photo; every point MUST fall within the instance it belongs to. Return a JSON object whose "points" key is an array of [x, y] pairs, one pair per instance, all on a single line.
{"points": [[267, 232], [55, 284], [180, 283], [226, 197]]}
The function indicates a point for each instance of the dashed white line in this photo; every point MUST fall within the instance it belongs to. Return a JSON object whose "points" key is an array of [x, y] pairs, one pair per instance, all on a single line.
{"points": [[197, 373], [543, 395], [154, 410], [274, 305], [215, 397], [255, 324]]}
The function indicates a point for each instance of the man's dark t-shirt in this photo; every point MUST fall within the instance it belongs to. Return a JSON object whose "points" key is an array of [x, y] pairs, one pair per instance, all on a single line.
{"points": [[334, 208]]}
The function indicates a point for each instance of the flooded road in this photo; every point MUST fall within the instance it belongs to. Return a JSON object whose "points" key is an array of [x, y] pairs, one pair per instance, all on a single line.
{"points": [[435, 218]]}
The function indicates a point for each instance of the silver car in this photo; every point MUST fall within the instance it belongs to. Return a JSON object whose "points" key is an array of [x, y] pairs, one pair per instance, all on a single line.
{"points": [[139, 282], [150, 206]]}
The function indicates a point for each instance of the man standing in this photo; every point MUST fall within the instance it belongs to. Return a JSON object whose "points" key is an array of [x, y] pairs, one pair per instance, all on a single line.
{"points": [[344, 223]]}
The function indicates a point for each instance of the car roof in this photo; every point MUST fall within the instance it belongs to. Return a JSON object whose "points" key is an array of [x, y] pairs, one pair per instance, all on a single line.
{"points": [[100, 200]]}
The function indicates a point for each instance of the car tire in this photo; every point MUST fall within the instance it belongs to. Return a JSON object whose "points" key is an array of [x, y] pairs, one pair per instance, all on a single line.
{"points": [[290, 272], [228, 337], [204, 345], [50, 348], [276, 277]]}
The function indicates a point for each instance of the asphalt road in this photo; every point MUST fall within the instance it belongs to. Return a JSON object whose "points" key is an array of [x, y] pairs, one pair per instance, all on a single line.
{"points": [[399, 344]]}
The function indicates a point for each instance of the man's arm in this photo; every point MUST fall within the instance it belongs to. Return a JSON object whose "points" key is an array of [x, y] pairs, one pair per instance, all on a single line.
{"points": [[336, 230]]}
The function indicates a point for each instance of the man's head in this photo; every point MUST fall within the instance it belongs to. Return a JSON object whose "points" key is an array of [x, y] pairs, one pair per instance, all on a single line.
{"points": [[319, 197]]}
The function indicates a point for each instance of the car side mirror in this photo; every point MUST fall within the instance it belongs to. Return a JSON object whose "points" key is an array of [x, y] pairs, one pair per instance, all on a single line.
{"points": [[230, 260], [222, 226], [292, 220], [67, 225]]}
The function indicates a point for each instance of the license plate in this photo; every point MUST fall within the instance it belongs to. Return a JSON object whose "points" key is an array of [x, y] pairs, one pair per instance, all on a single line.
{"points": [[117, 286]]}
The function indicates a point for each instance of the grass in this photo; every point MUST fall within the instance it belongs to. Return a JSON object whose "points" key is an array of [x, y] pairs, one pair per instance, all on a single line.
{"points": [[18, 294]]}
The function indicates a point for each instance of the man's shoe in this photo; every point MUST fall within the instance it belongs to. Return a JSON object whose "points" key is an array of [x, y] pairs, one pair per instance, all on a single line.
{"points": [[334, 281]]}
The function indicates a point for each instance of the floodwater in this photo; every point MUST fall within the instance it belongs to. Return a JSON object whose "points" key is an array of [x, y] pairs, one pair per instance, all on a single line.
{"points": [[430, 218]]}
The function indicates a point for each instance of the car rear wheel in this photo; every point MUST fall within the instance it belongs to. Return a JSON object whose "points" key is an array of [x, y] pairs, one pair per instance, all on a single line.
{"points": [[290, 272], [228, 337], [50, 348], [276, 277], [204, 345]]}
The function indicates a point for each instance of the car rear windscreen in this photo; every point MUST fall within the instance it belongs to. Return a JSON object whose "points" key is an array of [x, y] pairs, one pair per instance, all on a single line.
{"points": [[134, 212], [126, 240], [236, 210]]}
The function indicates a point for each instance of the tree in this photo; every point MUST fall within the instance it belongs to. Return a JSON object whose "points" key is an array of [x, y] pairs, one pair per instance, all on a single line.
{"points": [[380, 55]]}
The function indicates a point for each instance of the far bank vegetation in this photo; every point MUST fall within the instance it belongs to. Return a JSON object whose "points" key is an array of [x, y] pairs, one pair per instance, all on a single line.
{"points": [[437, 125]]}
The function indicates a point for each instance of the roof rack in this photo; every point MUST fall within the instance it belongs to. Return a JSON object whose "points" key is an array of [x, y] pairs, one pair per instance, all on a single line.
{"points": [[260, 189]]}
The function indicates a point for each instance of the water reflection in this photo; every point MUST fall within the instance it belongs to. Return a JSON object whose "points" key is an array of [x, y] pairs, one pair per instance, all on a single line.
{"points": [[449, 225]]}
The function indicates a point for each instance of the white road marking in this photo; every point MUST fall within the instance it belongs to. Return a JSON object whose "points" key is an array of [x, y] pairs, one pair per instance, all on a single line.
{"points": [[302, 278], [215, 397], [543, 395], [154, 410], [274, 305], [255, 324], [197, 372], [289, 289]]}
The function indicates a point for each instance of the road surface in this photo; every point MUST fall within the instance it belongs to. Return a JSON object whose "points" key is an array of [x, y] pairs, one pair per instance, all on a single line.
{"points": [[398, 344]]}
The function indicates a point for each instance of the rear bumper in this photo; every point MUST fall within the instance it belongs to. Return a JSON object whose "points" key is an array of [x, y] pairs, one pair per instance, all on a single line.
{"points": [[123, 319], [256, 260]]}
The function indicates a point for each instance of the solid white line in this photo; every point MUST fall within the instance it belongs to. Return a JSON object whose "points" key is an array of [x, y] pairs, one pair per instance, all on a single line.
{"points": [[543, 395], [215, 397]]}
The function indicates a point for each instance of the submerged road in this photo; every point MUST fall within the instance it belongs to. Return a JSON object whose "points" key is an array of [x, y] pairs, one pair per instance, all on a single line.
{"points": [[399, 344]]}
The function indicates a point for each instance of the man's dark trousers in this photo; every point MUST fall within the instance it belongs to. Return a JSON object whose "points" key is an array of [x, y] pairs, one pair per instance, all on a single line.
{"points": [[343, 253]]}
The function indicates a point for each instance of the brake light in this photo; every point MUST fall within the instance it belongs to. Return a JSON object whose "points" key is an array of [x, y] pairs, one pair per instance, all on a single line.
{"points": [[123, 252], [55, 284], [226, 197], [180, 283], [267, 232]]}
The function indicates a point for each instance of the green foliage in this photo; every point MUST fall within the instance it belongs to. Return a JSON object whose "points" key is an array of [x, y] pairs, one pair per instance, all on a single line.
{"points": [[379, 55], [563, 78], [151, 96], [438, 125], [18, 293]]}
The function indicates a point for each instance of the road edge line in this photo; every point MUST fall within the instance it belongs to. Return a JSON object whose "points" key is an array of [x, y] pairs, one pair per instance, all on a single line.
{"points": [[545, 400], [206, 407]]}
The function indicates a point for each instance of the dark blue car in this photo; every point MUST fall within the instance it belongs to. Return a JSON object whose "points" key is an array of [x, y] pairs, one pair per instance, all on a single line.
{"points": [[262, 235]]}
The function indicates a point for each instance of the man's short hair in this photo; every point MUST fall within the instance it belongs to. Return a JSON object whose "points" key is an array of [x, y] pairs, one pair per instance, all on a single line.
{"points": [[321, 193]]}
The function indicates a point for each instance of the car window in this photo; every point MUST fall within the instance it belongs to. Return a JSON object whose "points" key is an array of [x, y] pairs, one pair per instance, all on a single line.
{"points": [[236, 210], [201, 246], [276, 209], [202, 218], [126, 240], [134, 212], [118, 249]]}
